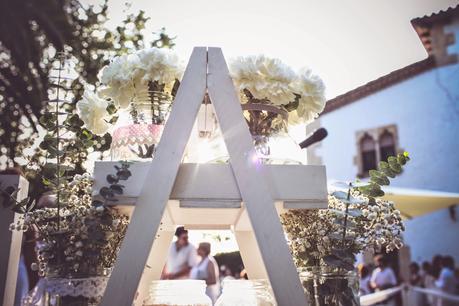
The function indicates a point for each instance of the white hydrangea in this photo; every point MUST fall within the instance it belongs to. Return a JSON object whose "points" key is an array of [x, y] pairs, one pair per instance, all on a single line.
{"points": [[93, 111]]}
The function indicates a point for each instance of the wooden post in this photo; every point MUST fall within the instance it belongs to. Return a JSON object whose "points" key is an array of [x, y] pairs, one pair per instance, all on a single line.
{"points": [[11, 241], [404, 261], [154, 266], [250, 253]]}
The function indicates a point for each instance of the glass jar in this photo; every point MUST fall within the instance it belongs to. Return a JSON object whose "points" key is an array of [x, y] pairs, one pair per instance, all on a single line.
{"points": [[330, 287], [246, 293], [178, 293], [140, 126], [268, 127]]}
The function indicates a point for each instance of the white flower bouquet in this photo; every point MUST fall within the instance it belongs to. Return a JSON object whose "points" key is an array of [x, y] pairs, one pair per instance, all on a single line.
{"points": [[83, 240], [129, 78], [267, 81], [326, 241], [136, 94], [317, 237]]}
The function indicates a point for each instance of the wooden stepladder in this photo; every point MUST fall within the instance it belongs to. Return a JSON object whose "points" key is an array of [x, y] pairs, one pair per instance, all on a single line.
{"points": [[247, 180]]}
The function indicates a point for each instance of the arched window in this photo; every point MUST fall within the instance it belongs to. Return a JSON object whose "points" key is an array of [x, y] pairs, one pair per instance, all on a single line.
{"points": [[368, 153], [386, 145]]}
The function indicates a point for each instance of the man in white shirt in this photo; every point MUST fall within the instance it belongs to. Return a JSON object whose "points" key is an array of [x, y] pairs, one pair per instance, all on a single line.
{"points": [[383, 277], [182, 257]]}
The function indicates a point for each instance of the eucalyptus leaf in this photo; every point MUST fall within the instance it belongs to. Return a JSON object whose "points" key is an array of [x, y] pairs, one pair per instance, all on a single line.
{"points": [[123, 174], [394, 165], [379, 178], [106, 193], [340, 195], [385, 168], [373, 190], [97, 203], [112, 179], [341, 185], [358, 184], [117, 188]]}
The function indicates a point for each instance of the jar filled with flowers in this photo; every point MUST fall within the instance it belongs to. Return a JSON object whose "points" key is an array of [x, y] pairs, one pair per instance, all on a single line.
{"points": [[324, 242], [274, 97], [136, 97]]}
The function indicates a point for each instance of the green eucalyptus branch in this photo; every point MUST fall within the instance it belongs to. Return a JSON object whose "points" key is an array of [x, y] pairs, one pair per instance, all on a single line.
{"points": [[380, 177], [342, 258], [109, 193]]}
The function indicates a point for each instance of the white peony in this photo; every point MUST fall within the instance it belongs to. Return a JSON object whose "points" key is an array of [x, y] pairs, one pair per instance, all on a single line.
{"points": [[93, 111]]}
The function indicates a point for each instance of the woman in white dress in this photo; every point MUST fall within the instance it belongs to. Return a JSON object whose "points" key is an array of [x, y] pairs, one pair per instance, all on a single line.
{"points": [[207, 270]]}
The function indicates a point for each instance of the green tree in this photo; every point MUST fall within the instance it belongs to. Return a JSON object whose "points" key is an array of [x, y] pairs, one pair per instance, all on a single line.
{"points": [[31, 34]]}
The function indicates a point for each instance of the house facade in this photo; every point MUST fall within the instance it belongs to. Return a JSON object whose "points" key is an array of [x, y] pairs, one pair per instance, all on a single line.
{"points": [[414, 109]]}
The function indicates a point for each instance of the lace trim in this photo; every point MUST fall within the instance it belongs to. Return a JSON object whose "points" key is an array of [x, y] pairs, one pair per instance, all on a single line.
{"points": [[91, 287], [135, 134]]}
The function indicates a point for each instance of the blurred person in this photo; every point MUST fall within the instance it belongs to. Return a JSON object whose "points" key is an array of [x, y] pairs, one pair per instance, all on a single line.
{"points": [[222, 272], [243, 274], [365, 275], [436, 265], [446, 281], [383, 277], [228, 274], [416, 298], [182, 257], [456, 274], [415, 276], [207, 269], [428, 281]]}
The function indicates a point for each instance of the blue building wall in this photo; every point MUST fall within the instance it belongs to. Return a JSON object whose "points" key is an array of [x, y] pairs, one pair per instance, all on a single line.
{"points": [[425, 109]]}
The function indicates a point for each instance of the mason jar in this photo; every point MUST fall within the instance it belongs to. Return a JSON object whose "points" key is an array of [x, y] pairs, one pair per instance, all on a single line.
{"points": [[330, 286], [246, 293], [139, 127], [268, 126], [178, 293]]}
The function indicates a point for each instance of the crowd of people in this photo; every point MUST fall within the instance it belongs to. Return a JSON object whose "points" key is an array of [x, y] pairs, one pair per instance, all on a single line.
{"points": [[439, 274], [186, 262]]}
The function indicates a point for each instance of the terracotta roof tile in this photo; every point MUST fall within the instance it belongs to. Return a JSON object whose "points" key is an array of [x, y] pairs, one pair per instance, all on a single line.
{"points": [[379, 84], [422, 25], [442, 15]]}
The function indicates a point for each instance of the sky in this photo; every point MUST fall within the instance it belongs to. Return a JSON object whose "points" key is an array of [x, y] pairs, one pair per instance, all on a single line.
{"points": [[348, 42]]}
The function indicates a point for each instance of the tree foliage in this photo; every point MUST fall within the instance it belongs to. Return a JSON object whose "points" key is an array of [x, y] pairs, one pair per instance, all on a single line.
{"points": [[32, 33]]}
